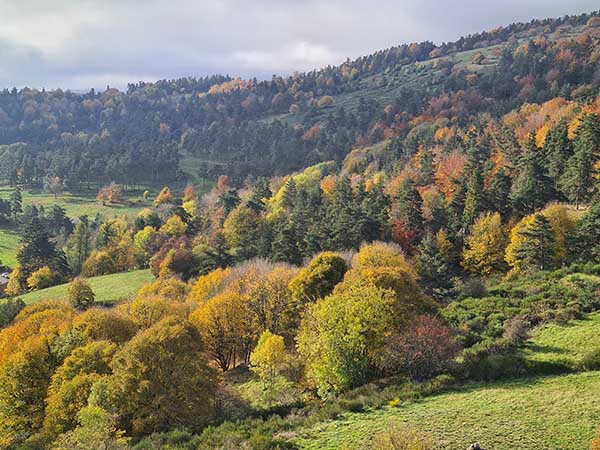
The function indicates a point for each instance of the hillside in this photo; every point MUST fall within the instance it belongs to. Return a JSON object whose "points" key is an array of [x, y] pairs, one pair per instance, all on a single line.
{"points": [[409, 237], [531, 414], [141, 136], [107, 288]]}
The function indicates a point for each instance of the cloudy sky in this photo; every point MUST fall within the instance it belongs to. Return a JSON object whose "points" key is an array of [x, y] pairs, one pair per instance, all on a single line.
{"points": [[80, 44]]}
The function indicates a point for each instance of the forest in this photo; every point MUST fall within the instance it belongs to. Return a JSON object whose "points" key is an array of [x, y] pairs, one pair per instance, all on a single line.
{"points": [[354, 255]]}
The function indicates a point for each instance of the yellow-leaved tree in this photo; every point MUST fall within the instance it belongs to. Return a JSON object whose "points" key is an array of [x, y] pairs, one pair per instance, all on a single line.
{"points": [[484, 247]]}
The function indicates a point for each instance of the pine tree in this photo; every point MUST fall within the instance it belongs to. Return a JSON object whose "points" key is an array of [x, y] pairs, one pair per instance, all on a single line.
{"points": [[537, 250], [557, 150], [409, 205], [473, 198], [577, 182], [532, 188], [498, 193], [16, 202], [434, 271], [38, 251]]}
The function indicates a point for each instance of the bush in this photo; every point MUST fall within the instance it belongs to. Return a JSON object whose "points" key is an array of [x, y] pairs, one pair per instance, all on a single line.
{"points": [[402, 437], [43, 278], [427, 348], [591, 360], [80, 294]]}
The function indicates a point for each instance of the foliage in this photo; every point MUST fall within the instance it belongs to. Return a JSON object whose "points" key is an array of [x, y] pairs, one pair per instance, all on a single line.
{"points": [[146, 399], [81, 294]]}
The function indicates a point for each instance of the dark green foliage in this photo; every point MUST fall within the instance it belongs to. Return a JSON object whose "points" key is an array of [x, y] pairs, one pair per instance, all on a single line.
{"points": [[577, 182], [435, 275], [532, 188], [9, 309], [38, 251], [537, 250]]}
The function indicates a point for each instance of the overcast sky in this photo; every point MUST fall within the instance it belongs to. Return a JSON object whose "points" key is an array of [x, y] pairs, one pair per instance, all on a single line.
{"points": [[79, 44]]}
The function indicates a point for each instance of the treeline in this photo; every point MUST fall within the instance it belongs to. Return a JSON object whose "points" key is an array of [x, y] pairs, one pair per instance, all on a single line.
{"points": [[231, 125]]}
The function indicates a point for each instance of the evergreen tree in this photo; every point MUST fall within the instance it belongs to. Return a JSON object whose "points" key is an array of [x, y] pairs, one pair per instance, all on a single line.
{"points": [[434, 271], [16, 202], [498, 193], [557, 150], [37, 250], [79, 246], [473, 197], [532, 188], [538, 248], [577, 182], [409, 205]]}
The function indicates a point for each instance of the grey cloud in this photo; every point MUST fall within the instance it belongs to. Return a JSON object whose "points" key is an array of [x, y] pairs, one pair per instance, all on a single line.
{"points": [[90, 43]]}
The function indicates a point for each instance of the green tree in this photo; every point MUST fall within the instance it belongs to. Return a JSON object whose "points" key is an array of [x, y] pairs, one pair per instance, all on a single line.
{"points": [[536, 252], [577, 182], [16, 202], [79, 247], [81, 295], [37, 250], [161, 379], [473, 198], [434, 268], [241, 229], [532, 188]]}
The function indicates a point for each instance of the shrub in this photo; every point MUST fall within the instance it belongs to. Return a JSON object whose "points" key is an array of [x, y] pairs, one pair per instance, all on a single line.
{"points": [[425, 349], [80, 294], [43, 278], [402, 437], [591, 360]]}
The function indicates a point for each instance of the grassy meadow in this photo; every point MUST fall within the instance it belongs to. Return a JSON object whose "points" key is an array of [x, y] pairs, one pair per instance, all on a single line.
{"points": [[545, 413], [108, 288]]}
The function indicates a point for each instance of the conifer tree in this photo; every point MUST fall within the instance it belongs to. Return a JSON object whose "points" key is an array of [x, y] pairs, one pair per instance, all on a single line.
{"points": [[577, 182], [434, 271], [537, 250], [532, 188]]}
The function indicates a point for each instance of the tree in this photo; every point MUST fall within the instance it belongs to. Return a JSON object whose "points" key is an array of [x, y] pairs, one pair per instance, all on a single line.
{"points": [[226, 325], [318, 279], [427, 348], [484, 246], [341, 335], [268, 357], [532, 188], [577, 182], [81, 295], [241, 229], [111, 193], [434, 268], [43, 278], [24, 380], [54, 184], [161, 379], [163, 197], [38, 251], [408, 205], [536, 252], [79, 246], [474, 197], [97, 429], [16, 202], [174, 226]]}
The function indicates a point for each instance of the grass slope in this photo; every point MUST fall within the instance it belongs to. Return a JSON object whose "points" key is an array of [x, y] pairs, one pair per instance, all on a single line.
{"points": [[77, 205], [108, 288], [560, 412], [565, 344]]}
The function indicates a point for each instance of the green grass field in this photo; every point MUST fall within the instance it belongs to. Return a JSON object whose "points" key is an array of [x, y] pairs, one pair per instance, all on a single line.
{"points": [[546, 413], [78, 204], [565, 344], [108, 288]]}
